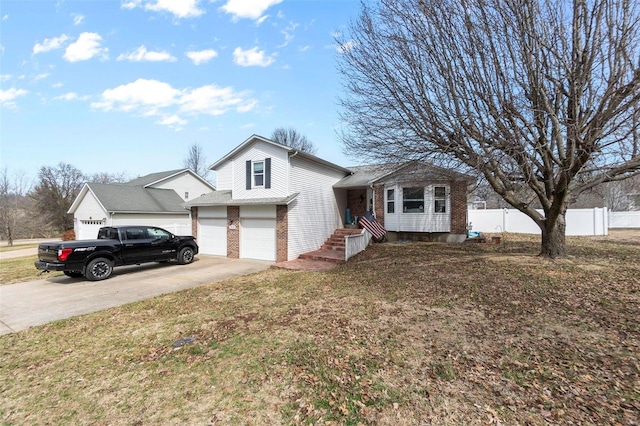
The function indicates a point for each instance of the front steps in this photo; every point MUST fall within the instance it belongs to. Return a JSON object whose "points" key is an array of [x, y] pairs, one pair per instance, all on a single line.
{"points": [[333, 249]]}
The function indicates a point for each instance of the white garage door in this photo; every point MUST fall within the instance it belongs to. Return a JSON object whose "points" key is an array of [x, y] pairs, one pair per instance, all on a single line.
{"points": [[212, 236], [258, 239], [88, 229]]}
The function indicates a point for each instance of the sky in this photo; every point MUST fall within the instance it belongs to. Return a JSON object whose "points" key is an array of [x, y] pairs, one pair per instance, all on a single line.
{"points": [[126, 87]]}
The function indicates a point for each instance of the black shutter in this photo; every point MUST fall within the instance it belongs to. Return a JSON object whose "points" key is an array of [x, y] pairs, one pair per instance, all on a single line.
{"points": [[248, 174], [267, 173]]}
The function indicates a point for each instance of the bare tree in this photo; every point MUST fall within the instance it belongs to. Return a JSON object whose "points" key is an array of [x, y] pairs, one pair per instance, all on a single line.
{"points": [[294, 139], [54, 192], [105, 177], [196, 161], [542, 93], [12, 204]]}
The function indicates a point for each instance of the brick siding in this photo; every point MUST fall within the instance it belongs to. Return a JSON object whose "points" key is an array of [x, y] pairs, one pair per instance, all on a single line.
{"points": [[458, 207], [194, 222], [282, 233], [233, 235], [357, 202]]}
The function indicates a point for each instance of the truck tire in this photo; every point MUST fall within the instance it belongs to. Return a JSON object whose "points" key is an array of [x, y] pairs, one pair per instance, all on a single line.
{"points": [[99, 269], [186, 255], [73, 274]]}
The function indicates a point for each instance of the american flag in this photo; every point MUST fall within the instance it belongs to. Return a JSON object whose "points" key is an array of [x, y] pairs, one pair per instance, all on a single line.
{"points": [[373, 227]]}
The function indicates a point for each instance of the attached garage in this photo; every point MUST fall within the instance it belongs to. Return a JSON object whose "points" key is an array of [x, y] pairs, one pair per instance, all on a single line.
{"points": [[88, 229], [258, 232], [212, 230]]}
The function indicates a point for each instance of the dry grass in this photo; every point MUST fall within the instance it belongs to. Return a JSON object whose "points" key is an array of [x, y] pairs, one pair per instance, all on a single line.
{"points": [[17, 247], [404, 334], [20, 269]]}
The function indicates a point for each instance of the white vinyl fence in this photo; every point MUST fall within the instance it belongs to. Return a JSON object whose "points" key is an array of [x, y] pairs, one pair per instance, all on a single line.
{"points": [[579, 221], [624, 219]]}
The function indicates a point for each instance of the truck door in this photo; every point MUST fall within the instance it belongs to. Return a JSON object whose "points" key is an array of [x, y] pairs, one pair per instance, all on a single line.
{"points": [[136, 244], [162, 244]]}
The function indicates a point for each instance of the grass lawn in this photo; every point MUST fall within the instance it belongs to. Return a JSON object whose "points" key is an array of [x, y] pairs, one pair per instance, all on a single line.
{"points": [[21, 269], [404, 334]]}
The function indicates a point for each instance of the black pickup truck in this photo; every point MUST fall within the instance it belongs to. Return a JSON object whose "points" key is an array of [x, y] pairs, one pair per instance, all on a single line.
{"points": [[115, 246]]}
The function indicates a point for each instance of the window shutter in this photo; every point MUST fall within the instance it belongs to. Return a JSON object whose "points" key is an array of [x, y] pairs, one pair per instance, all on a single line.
{"points": [[267, 173], [248, 174]]}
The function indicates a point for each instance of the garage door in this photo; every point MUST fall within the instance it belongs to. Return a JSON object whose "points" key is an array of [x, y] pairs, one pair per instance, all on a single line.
{"points": [[88, 229], [212, 236], [258, 239]]}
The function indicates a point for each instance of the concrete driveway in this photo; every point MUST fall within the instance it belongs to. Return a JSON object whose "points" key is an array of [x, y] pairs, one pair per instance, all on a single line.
{"points": [[31, 303]]}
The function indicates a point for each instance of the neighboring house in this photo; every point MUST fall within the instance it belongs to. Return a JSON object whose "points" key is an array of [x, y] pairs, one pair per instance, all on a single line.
{"points": [[275, 203], [155, 199]]}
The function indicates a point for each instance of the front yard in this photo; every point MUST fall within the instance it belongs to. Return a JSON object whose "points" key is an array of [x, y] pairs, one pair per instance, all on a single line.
{"points": [[404, 334]]}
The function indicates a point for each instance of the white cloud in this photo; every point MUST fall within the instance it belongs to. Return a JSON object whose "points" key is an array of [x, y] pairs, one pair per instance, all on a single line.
{"points": [[252, 57], [251, 9], [86, 47], [7, 97], [5, 77], [77, 18], [57, 85], [67, 96], [214, 100], [141, 54], [288, 33], [304, 48], [178, 8], [41, 76], [345, 47], [5, 17], [172, 121], [201, 56], [153, 98], [50, 44]]}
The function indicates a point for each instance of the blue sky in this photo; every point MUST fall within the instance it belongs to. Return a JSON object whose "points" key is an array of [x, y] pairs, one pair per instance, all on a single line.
{"points": [[128, 86]]}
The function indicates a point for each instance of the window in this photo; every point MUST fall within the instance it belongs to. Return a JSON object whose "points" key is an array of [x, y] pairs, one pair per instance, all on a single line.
{"points": [[391, 201], [258, 173], [413, 200], [186, 195], [159, 234], [440, 199]]}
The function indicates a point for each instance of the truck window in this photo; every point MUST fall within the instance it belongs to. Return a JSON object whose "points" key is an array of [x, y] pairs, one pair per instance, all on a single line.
{"points": [[159, 234], [136, 234]]}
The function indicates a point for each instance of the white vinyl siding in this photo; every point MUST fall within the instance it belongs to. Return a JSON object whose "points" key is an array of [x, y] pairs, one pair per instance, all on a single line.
{"points": [[88, 210], [279, 172], [426, 221], [174, 223], [185, 183], [224, 176], [258, 232], [316, 212]]}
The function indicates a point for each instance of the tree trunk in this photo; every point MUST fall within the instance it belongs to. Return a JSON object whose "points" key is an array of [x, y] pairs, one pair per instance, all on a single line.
{"points": [[553, 237]]}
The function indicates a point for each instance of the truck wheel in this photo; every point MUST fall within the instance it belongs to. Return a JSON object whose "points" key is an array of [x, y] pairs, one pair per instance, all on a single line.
{"points": [[73, 274], [186, 256], [99, 269]]}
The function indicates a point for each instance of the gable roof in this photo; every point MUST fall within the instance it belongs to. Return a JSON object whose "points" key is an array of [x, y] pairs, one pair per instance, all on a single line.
{"points": [[154, 178], [410, 171], [256, 138], [125, 198]]}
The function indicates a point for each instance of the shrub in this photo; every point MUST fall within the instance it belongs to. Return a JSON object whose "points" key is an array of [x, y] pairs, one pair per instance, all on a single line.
{"points": [[68, 235]]}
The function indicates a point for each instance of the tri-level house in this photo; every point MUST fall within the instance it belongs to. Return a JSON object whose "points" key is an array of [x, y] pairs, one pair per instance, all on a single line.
{"points": [[275, 203]]}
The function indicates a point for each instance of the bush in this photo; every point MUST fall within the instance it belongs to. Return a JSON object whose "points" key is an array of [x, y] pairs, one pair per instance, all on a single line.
{"points": [[68, 235]]}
